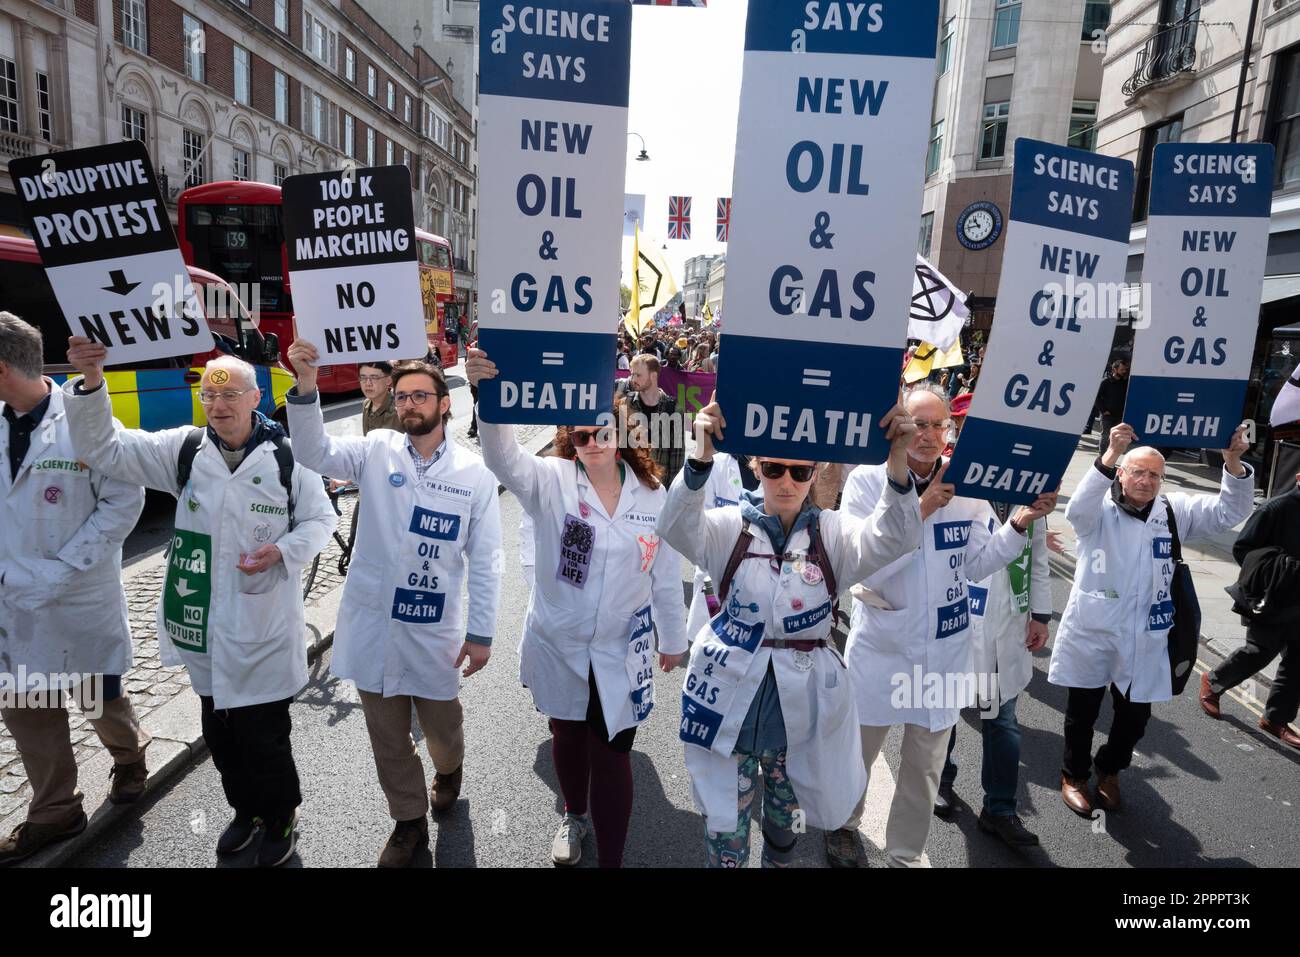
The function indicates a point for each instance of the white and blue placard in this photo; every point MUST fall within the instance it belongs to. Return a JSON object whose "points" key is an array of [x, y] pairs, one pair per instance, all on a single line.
{"points": [[1203, 274], [553, 88], [1066, 253], [830, 160]]}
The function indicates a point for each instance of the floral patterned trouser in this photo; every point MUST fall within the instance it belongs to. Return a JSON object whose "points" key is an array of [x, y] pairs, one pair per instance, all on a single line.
{"points": [[780, 809]]}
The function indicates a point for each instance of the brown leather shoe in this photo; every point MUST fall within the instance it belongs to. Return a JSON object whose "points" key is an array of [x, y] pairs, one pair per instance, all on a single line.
{"points": [[28, 838], [1108, 791], [445, 790], [407, 838], [1075, 794], [1280, 731], [1209, 698], [128, 782]]}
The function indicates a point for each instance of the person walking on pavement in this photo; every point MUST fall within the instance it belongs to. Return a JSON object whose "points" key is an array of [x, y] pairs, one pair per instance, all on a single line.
{"points": [[664, 427], [248, 520], [766, 692], [428, 510], [1115, 628], [1111, 395], [912, 631], [63, 615], [1268, 598], [589, 637]]}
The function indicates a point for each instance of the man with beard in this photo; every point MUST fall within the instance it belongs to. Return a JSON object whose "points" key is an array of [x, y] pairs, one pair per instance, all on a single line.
{"points": [[428, 509]]}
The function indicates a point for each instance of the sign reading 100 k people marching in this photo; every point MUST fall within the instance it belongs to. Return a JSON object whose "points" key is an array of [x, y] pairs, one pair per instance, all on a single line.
{"points": [[830, 155], [1062, 270], [350, 238], [101, 228], [553, 88], [1207, 240]]}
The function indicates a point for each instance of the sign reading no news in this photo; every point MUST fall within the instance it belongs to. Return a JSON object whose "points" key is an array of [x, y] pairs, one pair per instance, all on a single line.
{"points": [[353, 266], [101, 228]]}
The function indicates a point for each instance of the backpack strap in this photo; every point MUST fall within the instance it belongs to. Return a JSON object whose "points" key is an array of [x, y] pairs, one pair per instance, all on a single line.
{"points": [[284, 459], [1177, 547], [185, 461], [743, 541], [817, 554]]}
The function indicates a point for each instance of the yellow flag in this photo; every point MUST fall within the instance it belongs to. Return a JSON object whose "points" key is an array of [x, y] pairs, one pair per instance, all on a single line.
{"points": [[927, 358], [652, 285], [708, 315], [632, 321]]}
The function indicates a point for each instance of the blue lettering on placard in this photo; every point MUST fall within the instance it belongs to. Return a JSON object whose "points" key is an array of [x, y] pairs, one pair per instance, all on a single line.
{"points": [[1162, 548], [642, 702], [418, 607], [952, 619], [737, 634], [977, 597], [720, 502], [949, 535], [439, 525], [644, 624], [699, 724], [1161, 617], [809, 618]]}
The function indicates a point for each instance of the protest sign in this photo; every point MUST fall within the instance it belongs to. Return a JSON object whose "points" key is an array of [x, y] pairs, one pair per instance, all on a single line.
{"points": [[109, 251], [553, 87], [1067, 250], [830, 158], [1207, 240], [350, 239]]}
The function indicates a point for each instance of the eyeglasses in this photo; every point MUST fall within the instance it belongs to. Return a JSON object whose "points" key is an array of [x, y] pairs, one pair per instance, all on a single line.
{"points": [[774, 470], [1139, 474], [580, 439], [416, 398], [373, 378], [231, 396], [922, 425]]}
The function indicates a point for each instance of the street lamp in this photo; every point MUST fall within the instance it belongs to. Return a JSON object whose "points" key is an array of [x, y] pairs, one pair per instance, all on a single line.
{"points": [[644, 156]]}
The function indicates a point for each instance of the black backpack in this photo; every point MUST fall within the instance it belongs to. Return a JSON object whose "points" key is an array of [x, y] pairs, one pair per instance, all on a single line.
{"points": [[283, 458]]}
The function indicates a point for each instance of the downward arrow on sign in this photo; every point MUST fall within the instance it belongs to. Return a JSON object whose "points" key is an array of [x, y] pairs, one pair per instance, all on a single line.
{"points": [[183, 588], [120, 285]]}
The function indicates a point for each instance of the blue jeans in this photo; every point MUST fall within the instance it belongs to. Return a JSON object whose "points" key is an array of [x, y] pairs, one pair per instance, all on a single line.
{"points": [[1000, 769]]}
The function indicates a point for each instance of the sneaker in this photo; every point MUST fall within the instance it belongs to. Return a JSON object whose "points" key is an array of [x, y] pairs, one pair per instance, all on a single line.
{"points": [[844, 848], [278, 842], [28, 838], [945, 802], [445, 790], [1009, 827], [566, 849], [405, 842], [128, 782], [238, 834]]}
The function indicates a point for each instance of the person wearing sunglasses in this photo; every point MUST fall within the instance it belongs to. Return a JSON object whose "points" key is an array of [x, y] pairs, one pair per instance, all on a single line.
{"points": [[429, 525], [912, 631], [766, 692], [605, 583]]}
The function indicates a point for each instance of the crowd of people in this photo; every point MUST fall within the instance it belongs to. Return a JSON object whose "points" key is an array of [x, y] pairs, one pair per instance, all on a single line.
{"points": [[949, 599]]}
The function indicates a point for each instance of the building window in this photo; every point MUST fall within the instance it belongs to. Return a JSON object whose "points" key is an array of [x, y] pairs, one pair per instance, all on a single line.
{"points": [[1006, 24], [282, 15], [926, 237], [243, 71], [388, 152], [319, 117], [993, 141], [348, 135], [43, 106], [192, 158], [134, 31], [1285, 122], [350, 64], [406, 110], [372, 81], [133, 124], [194, 47], [281, 97], [1096, 19], [392, 97], [279, 173], [1083, 125], [8, 96], [370, 146], [319, 40], [406, 158], [242, 166], [1171, 131], [945, 45], [936, 149]]}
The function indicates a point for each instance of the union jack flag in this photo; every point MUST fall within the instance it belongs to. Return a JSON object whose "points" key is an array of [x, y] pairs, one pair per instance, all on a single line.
{"points": [[679, 217], [671, 3], [724, 219]]}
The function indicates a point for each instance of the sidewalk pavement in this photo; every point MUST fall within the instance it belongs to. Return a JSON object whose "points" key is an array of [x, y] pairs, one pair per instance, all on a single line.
{"points": [[162, 697]]}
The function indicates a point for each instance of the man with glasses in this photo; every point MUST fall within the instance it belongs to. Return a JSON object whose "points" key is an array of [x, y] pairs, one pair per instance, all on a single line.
{"points": [[428, 508], [1115, 629], [247, 522], [378, 410]]}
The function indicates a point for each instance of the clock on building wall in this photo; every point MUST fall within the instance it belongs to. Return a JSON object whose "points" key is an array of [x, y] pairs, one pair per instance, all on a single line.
{"points": [[979, 225]]}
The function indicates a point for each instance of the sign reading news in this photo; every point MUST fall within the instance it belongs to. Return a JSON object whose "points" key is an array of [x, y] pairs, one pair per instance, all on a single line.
{"points": [[1066, 254], [553, 88], [1207, 238], [830, 148]]}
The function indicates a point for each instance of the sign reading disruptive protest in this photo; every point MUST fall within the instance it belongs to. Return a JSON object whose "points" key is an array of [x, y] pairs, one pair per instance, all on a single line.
{"points": [[553, 87], [1207, 239], [830, 159], [1062, 272], [350, 236], [101, 228]]}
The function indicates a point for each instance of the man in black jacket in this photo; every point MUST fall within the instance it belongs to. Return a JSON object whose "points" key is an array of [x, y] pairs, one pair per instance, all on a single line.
{"points": [[1110, 400], [1273, 632]]}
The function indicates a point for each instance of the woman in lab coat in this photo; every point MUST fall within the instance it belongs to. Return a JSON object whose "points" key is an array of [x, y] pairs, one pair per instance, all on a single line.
{"points": [[587, 653]]}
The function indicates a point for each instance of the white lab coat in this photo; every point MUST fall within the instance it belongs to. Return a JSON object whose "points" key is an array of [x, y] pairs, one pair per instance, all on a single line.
{"points": [[728, 661], [723, 488], [1115, 629], [998, 627], [915, 636], [401, 622], [630, 576], [62, 608], [246, 644]]}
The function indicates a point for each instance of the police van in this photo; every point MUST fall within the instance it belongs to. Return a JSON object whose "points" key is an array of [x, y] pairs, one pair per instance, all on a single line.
{"points": [[163, 393]]}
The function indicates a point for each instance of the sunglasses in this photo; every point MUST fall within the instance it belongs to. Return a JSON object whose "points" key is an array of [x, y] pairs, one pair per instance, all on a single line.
{"points": [[580, 439], [774, 470]]}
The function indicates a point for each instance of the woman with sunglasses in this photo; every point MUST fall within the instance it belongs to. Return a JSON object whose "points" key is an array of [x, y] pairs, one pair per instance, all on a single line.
{"points": [[588, 646], [766, 691]]}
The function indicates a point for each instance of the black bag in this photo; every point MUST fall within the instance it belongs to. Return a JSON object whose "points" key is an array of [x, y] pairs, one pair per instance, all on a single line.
{"points": [[1185, 633]]}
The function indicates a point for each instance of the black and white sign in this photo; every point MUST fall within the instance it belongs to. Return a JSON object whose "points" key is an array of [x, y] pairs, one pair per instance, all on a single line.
{"points": [[353, 267], [101, 227]]}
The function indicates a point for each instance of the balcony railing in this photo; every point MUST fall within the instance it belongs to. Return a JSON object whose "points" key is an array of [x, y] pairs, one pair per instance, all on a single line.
{"points": [[17, 145], [1167, 54]]}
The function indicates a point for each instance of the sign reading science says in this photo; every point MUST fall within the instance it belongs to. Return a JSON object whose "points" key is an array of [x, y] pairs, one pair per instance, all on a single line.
{"points": [[830, 160], [350, 237], [1066, 255], [101, 228], [1207, 239], [553, 88]]}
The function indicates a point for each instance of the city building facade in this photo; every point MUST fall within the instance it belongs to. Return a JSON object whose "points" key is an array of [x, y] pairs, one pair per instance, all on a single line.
{"points": [[695, 283]]}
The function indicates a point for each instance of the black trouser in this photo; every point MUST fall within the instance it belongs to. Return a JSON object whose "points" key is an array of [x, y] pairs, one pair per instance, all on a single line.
{"points": [[1263, 644], [1126, 730], [251, 748], [473, 413], [1108, 422]]}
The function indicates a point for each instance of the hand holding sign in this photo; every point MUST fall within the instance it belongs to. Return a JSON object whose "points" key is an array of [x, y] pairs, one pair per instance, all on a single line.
{"points": [[1045, 504], [304, 357], [708, 424], [478, 367], [87, 357], [1235, 450], [1121, 437], [900, 429]]}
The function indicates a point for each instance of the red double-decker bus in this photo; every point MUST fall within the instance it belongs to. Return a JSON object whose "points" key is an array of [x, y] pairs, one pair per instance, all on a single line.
{"points": [[235, 230]]}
